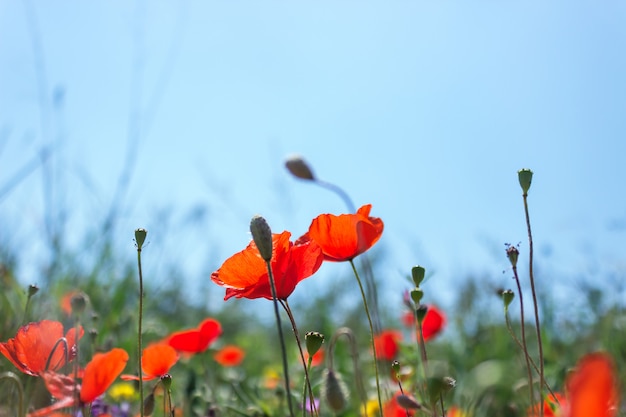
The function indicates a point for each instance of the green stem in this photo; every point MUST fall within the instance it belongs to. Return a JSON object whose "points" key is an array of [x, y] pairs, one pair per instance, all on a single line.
{"points": [[139, 333], [424, 354], [524, 345], [307, 379], [20, 389], [280, 336], [532, 362], [369, 319], [536, 307]]}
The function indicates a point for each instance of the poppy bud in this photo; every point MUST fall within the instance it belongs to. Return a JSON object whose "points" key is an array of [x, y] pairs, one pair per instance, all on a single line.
{"points": [[448, 383], [262, 236], [407, 402], [299, 168], [525, 177], [140, 237], [148, 404], [416, 295], [513, 254], [417, 273], [78, 302], [334, 391], [395, 367], [507, 297], [314, 342]]}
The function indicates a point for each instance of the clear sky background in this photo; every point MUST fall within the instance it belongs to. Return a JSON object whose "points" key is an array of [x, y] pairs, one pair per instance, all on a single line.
{"points": [[425, 109]]}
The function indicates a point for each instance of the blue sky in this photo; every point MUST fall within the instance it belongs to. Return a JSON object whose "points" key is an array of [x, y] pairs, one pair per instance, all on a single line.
{"points": [[426, 110]]}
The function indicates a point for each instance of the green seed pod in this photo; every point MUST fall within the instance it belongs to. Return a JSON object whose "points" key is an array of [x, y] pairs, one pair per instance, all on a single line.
{"points": [[416, 295], [418, 273], [262, 236], [507, 297], [512, 253], [421, 312], [525, 177], [314, 341], [140, 237]]}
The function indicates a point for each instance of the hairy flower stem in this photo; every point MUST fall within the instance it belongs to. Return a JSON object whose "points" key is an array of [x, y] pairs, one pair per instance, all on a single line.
{"points": [[280, 336], [424, 355], [139, 332], [369, 319], [523, 326], [307, 379], [8, 375], [532, 287], [354, 353], [532, 362]]}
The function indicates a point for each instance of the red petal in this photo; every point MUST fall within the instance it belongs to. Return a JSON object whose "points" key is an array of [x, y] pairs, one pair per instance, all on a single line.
{"points": [[433, 323], [592, 387], [196, 340], [230, 356], [157, 360], [100, 373]]}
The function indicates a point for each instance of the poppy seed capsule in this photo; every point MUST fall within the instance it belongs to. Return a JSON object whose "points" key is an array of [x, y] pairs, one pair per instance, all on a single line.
{"points": [[416, 295], [418, 273], [507, 297], [525, 177], [314, 342], [140, 237], [334, 391], [262, 236], [512, 253], [299, 168]]}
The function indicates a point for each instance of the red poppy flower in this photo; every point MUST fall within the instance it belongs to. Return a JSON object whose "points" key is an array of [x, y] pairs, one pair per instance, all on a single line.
{"points": [[31, 348], [387, 344], [156, 361], [195, 340], [592, 388], [98, 375], [230, 355], [318, 357], [433, 323], [245, 273], [344, 237]]}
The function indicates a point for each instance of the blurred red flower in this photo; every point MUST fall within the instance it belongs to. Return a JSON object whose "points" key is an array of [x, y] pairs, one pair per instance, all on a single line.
{"points": [[195, 340], [433, 323], [317, 359], [387, 344], [229, 355], [97, 376], [244, 275], [31, 348], [591, 388], [156, 361], [344, 237]]}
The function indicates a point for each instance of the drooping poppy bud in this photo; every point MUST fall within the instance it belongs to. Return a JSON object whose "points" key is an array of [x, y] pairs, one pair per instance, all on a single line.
{"points": [[334, 391], [299, 168]]}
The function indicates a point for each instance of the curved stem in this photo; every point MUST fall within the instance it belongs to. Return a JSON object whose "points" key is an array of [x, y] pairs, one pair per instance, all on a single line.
{"points": [[20, 389], [369, 319], [354, 353], [280, 336], [524, 345], [307, 379], [532, 287]]}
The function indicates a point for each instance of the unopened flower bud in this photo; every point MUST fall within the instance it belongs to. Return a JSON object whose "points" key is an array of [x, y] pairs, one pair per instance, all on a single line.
{"points": [[78, 302], [166, 380], [313, 342], [299, 168], [148, 404], [140, 237], [262, 236], [408, 402], [525, 177], [418, 273], [334, 391]]}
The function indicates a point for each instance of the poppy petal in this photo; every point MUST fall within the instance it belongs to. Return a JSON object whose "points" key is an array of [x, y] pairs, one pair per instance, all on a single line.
{"points": [[196, 340], [230, 355], [100, 373], [157, 359], [592, 387]]}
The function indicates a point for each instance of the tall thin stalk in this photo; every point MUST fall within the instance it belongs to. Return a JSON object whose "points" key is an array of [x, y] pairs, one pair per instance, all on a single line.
{"points": [[140, 237], [369, 320]]}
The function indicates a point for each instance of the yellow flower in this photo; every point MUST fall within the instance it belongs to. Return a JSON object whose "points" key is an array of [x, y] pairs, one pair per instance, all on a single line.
{"points": [[371, 409], [122, 391]]}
